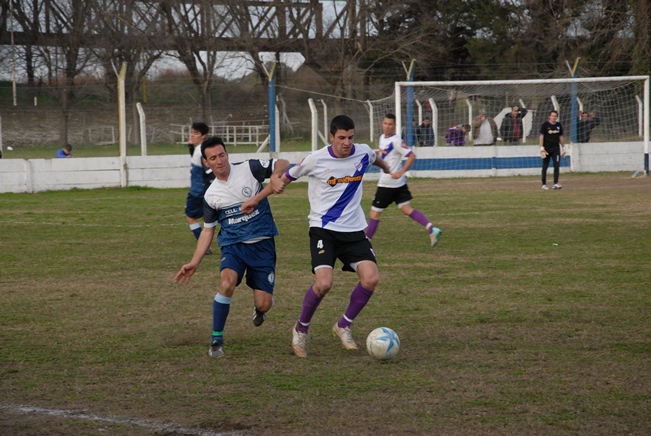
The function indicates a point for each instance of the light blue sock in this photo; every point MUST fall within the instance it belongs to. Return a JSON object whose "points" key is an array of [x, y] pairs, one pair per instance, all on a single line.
{"points": [[220, 307]]}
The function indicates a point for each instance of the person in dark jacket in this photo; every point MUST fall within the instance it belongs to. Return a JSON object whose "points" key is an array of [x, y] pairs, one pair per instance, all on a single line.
{"points": [[584, 127], [511, 128]]}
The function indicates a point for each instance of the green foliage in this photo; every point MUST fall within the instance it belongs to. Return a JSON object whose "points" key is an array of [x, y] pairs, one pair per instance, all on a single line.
{"points": [[529, 317]]}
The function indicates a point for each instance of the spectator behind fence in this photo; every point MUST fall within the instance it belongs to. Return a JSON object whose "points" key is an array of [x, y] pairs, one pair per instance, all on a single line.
{"points": [[414, 134], [456, 135], [426, 137], [65, 152], [584, 127], [484, 129], [511, 128]]}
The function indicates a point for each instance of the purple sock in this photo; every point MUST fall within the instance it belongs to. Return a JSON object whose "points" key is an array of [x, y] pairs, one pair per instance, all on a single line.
{"points": [[310, 302], [421, 219], [358, 299], [372, 227]]}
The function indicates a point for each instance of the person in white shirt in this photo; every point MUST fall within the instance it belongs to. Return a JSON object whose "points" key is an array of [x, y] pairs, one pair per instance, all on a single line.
{"points": [[484, 129], [393, 187], [337, 224]]}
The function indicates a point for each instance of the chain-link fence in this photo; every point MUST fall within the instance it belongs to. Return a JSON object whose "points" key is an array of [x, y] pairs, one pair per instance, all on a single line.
{"points": [[45, 118]]}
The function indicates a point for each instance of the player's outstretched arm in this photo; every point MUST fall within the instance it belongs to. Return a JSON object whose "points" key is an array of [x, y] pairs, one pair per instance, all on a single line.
{"points": [[275, 186], [203, 244], [276, 180]]}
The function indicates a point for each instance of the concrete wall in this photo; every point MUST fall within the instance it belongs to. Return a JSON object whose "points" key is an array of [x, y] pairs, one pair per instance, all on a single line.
{"points": [[173, 171]]}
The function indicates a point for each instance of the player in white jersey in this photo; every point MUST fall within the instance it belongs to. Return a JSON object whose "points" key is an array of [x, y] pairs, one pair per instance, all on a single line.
{"points": [[337, 226], [237, 201], [393, 187]]}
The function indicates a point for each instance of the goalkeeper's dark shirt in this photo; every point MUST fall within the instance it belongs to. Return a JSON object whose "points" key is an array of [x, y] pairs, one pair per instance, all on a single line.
{"points": [[551, 134]]}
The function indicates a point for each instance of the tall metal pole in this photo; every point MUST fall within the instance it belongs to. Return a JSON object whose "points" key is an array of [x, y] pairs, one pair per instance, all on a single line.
{"points": [[13, 52], [575, 120], [122, 125], [272, 109], [410, 105], [646, 126]]}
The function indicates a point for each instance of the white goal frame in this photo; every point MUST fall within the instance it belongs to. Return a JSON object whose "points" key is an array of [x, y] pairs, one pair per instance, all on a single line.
{"points": [[645, 103]]}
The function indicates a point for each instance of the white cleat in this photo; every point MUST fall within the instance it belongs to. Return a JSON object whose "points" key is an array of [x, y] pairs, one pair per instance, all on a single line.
{"points": [[299, 342], [346, 336]]}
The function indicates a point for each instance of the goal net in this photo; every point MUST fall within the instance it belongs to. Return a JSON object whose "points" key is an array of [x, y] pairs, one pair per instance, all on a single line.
{"points": [[617, 109]]}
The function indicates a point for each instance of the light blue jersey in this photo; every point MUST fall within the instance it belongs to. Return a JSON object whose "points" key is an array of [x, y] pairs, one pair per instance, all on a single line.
{"points": [[223, 201]]}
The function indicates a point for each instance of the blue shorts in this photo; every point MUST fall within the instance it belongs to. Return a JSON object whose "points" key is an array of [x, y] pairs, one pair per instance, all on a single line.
{"points": [[258, 260], [194, 207]]}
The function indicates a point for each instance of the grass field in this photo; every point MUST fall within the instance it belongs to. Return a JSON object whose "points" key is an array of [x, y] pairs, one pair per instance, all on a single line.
{"points": [[531, 317]]}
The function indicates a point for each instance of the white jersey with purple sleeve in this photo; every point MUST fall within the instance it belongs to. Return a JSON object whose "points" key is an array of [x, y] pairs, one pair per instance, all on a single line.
{"points": [[223, 201], [393, 150], [335, 187]]}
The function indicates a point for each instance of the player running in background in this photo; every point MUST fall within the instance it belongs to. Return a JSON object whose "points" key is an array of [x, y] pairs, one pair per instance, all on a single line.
{"points": [[393, 187], [552, 148], [337, 226], [200, 178], [237, 201]]}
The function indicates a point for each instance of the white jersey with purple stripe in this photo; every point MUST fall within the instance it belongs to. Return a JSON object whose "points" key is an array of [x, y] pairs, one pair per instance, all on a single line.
{"points": [[393, 150], [223, 201], [335, 187]]}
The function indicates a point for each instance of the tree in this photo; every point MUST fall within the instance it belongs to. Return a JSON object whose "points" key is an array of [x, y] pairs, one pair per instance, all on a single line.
{"points": [[132, 32]]}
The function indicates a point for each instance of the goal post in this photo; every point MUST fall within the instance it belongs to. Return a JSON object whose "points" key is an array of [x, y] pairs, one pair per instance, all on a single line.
{"points": [[617, 106]]}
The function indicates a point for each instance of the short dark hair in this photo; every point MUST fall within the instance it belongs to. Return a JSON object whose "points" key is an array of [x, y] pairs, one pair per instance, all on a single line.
{"points": [[200, 127], [212, 141], [390, 116], [68, 147], [553, 111], [341, 122]]}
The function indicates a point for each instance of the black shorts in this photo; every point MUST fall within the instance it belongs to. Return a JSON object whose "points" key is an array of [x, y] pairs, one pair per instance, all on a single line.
{"points": [[385, 196], [326, 246]]}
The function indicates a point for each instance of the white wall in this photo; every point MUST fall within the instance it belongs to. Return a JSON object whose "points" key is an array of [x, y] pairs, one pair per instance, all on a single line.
{"points": [[34, 175]]}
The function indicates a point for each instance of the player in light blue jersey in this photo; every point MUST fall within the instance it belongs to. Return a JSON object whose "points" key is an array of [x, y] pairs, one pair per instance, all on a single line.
{"points": [[237, 202], [393, 187], [337, 224]]}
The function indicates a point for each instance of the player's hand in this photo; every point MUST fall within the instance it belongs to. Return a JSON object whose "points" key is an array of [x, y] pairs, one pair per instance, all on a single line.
{"points": [[186, 272], [249, 206], [277, 185], [396, 176]]}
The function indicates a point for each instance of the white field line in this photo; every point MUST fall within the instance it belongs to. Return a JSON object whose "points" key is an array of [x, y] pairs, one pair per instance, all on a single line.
{"points": [[134, 422]]}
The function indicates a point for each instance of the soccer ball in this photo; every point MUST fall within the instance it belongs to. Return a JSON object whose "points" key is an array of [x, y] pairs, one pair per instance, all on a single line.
{"points": [[383, 343]]}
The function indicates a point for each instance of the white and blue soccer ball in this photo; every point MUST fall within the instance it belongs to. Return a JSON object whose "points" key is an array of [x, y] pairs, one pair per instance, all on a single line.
{"points": [[383, 343]]}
